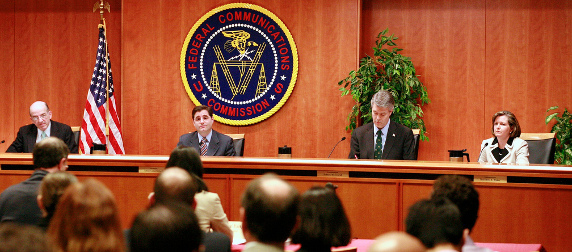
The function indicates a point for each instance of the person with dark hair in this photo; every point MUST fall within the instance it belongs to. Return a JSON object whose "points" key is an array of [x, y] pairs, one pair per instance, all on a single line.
{"points": [[176, 186], [205, 140], [396, 242], [166, 227], [323, 221], [382, 138], [505, 146], [209, 208], [24, 238], [86, 219], [268, 213], [42, 127], [18, 202], [462, 193], [51, 190], [437, 223]]}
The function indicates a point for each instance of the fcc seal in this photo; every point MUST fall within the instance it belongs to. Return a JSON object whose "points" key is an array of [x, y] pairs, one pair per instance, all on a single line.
{"points": [[241, 60]]}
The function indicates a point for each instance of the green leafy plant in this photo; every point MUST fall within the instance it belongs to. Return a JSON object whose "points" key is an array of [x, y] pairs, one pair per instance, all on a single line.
{"points": [[391, 71], [563, 129]]}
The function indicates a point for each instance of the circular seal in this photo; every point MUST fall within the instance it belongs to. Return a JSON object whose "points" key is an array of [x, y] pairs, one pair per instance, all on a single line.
{"points": [[241, 60]]}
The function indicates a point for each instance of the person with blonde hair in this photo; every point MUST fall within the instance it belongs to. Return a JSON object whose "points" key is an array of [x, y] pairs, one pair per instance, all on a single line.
{"points": [[86, 219]]}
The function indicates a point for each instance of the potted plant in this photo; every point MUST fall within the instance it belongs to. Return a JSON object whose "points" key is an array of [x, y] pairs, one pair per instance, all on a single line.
{"points": [[563, 129], [390, 70]]}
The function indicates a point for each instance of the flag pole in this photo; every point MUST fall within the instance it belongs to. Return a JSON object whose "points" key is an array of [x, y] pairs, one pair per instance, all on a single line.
{"points": [[101, 5]]}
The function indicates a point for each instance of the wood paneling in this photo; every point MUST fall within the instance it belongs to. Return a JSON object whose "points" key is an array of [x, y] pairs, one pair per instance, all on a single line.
{"points": [[445, 41], [7, 58], [315, 111], [529, 54]]}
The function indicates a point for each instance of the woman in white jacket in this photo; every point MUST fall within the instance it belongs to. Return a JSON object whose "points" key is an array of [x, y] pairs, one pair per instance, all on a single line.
{"points": [[505, 146]]}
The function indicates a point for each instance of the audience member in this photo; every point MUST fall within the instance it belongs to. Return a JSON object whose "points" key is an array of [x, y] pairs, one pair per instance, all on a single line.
{"points": [[86, 219], [22, 238], [209, 208], [42, 127], [268, 213], [176, 186], [437, 223], [169, 228], [396, 242], [18, 202], [51, 189], [323, 221], [461, 192]]}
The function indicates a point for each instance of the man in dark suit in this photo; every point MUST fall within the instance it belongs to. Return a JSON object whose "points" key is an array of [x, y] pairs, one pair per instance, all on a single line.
{"points": [[382, 138], [207, 141], [42, 127], [18, 203]]}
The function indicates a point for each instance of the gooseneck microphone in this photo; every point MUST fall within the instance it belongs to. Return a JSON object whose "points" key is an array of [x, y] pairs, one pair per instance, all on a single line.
{"points": [[343, 138], [481, 153]]}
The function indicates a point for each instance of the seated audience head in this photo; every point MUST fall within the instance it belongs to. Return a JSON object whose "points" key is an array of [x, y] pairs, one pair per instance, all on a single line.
{"points": [[461, 192], [323, 221], [15, 237], [51, 154], [86, 219], [437, 223], [512, 122], [174, 185], [269, 210], [187, 158], [396, 242], [51, 189], [171, 227], [40, 115]]}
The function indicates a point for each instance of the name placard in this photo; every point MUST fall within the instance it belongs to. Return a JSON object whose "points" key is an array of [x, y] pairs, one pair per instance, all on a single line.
{"points": [[490, 179], [334, 174]]}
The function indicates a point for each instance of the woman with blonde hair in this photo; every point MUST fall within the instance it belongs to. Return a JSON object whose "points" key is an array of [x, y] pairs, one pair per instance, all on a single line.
{"points": [[86, 219]]}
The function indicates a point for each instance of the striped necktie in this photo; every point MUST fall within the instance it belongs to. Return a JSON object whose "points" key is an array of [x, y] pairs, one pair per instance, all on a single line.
{"points": [[204, 146], [378, 146]]}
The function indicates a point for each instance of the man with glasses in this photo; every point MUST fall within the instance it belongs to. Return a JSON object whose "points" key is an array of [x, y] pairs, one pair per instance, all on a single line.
{"points": [[42, 127]]}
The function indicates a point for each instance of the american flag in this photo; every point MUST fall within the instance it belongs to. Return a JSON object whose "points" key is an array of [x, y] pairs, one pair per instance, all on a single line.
{"points": [[100, 112]]}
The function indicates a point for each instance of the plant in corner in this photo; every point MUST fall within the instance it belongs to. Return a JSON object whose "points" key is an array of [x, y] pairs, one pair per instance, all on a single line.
{"points": [[563, 130], [391, 71]]}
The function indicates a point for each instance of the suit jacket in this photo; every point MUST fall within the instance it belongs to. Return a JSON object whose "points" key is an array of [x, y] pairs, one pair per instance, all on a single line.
{"points": [[214, 242], [517, 151], [220, 144], [209, 210], [399, 142], [26, 137], [260, 247], [18, 202]]}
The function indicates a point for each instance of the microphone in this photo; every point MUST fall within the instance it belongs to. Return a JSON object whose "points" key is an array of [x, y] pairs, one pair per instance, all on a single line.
{"points": [[481, 153], [343, 138]]}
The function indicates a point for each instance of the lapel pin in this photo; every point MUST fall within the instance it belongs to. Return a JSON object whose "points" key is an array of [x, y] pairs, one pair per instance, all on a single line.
{"points": [[393, 134]]}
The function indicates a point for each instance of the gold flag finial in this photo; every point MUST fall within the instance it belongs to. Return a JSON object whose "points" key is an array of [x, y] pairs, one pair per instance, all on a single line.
{"points": [[101, 6]]}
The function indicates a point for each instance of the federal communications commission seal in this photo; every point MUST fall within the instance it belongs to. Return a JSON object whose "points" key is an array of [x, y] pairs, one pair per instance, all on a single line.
{"points": [[241, 60]]}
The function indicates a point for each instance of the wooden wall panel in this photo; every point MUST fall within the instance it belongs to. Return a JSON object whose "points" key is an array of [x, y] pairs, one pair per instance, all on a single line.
{"points": [[7, 58], [529, 54], [445, 41], [56, 46], [312, 120]]}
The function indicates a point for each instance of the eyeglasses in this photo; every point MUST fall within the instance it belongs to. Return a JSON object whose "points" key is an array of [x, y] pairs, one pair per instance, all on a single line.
{"points": [[44, 116]]}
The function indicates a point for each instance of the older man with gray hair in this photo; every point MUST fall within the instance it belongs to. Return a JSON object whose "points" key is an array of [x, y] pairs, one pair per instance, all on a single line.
{"points": [[382, 138]]}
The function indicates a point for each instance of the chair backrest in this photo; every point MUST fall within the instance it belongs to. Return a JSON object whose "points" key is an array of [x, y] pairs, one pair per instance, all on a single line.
{"points": [[416, 140], [75, 130], [541, 147], [238, 140]]}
